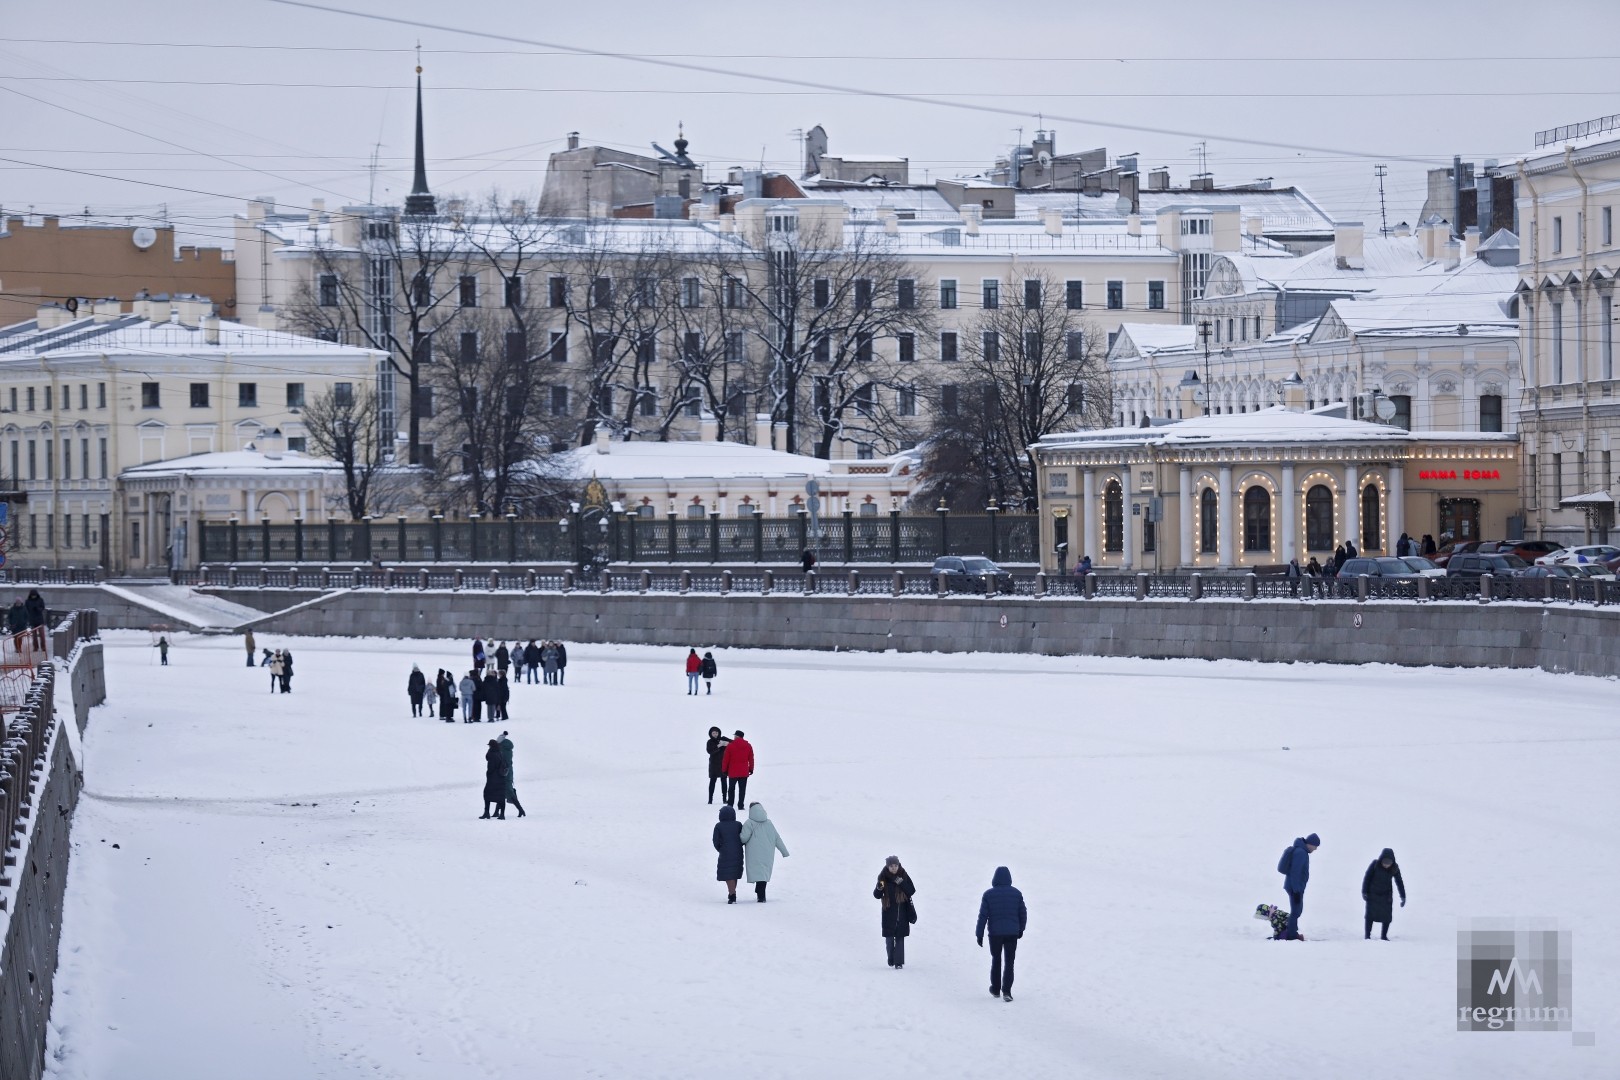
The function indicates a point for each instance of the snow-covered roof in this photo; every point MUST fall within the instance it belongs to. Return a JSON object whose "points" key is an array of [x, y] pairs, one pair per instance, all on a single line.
{"points": [[649, 460], [233, 463], [1469, 300], [1277, 424], [1282, 211], [135, 334], [1151, 339], [1387, 263]]}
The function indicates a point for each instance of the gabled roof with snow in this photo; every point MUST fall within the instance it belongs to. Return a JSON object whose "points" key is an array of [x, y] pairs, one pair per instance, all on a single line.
{"points": [[135, 334], [1471, 300], [233, 463], [1139, 340]]}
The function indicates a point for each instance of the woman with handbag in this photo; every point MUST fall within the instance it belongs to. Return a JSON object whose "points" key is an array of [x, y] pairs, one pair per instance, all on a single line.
{"points": [[895, 889]]}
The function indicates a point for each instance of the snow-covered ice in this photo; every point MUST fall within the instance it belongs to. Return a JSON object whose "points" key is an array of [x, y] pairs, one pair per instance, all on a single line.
{"points": [[302, 887]]}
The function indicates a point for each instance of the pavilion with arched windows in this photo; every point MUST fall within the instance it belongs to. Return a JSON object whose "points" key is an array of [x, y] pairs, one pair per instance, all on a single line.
{"points": [[1256, 489]]}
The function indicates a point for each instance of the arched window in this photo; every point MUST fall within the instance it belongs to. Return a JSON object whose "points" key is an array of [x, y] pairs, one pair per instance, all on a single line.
{"points": [[1257, 519], [1372, 529], [1319, 519], [1208, 523], [1113, 517]]}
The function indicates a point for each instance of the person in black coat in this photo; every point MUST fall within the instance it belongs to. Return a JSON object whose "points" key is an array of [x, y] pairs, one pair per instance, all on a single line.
{"points": [[496, 779], [531, 660], [716, 749], [562, 663], [1377, 892], [708, 669], [416, 687], [445, 687], [728, 842], [490, 691], [895, 889], [286, 671], [35, 606]]}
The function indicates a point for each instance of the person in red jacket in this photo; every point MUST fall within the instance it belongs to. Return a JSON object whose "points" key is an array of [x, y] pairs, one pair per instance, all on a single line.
{"points": [[694, 665], [738, 765]]}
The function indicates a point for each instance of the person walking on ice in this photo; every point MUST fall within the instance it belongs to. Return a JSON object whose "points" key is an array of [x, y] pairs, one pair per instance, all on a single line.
{"points": [[738, 765], [416, 689], [248, 641], [1002, 912], [716, 749], [694, 667], [163, 651], [1295, 866], [895, 889], [1382, 873], [496, 776], [708, 669], [728, 842], [761, 841], [511, 775]]}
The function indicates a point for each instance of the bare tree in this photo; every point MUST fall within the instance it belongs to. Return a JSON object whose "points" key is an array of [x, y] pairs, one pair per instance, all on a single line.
{"points": [[1033, 367], [342, 425], [391, 289], [719, 347], [824, 297]]}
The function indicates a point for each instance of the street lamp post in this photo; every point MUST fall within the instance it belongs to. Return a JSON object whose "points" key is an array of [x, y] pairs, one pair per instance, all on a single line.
{"points": [[1204, 331]]}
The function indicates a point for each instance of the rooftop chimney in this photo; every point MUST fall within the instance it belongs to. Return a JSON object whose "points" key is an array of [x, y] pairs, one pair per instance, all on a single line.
{"points": [[50, 316], [573, 140], [272, 444], [107, 309], [763, 430], [210, 329], [1133, 225], [1203, 182], [1294, 393], [708, 428], [604, 439], [1470, 241], [1347, 246], [1130, 187], [1453, 253], [891, 221], [1254, 226], [1159, 180], [189, 309], [317, 210], [1401, 228], [1052, 218], [970, 218]]}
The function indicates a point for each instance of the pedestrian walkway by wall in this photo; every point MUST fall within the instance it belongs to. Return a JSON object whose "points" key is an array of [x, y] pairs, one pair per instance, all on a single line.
{"points": [[1462, 634]]}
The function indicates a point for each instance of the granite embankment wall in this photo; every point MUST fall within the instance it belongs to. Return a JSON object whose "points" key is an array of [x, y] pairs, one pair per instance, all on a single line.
{"points": [[34, 878], [1554, 637]]}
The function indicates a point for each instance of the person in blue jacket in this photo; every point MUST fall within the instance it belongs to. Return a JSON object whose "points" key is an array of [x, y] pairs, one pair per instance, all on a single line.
{"points": [[728, 842], [1002, 912], [1295, 866]]}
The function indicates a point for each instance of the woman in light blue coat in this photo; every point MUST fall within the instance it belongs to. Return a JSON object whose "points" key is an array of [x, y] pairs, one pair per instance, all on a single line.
{"points": [[761, 841]]}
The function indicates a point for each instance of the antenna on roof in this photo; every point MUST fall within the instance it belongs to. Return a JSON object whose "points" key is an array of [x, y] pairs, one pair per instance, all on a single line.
{"points": [[1381, 171], [1201, 147]]}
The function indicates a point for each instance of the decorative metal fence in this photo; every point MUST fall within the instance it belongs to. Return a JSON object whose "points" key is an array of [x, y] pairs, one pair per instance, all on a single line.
{"points": [[627, 538]]}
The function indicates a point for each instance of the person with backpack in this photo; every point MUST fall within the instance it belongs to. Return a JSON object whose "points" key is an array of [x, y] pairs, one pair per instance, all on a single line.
{"points": [[1002, 912], [416, 689], [895, 890], [1295, 867], [761, 842], [708, 669], [738, 764], [716, 749], [694, 667], [1382, 873]]}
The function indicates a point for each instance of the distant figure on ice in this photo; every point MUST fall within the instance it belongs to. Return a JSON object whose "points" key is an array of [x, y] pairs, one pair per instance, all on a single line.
{"points": [[694, 667], [468, 688], [762, 842], [286, 671], [416, 687], [1295, 866], [708, 669], [716, 749], [738, 765], [249, 642], [511, 775], [1383, 872], [728, 842], [445, 687], [549, 660], [495, 779], [489, 695], [1002, 912], [275, 671], [163, 651], [503, 657], [531, 659], [478, 654], [503, 695], [562, 662], [895, 889]]}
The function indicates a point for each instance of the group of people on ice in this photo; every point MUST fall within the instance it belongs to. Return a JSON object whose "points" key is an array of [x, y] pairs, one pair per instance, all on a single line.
{"points": [[548, 659], [1378, 888]]}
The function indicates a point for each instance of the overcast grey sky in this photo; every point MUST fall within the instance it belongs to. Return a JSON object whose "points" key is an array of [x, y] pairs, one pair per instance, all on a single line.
{"points": [[235, 98]]}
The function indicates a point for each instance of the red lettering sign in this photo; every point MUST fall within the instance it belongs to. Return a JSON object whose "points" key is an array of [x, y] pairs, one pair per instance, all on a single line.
{"points": [[1466, 474]]}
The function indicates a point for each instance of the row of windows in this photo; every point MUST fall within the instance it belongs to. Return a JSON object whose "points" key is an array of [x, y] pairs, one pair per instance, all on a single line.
{"points": [[247, 394], [866, 400], [1237, 328], [735, 346], [25, 396], [35, 458], [1605, 329], [85, 536], [1257, 520], [1556, 473], [1605, 230]]}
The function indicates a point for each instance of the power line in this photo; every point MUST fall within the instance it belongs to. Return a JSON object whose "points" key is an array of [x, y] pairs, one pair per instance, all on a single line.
{"points": [[809, 84]]}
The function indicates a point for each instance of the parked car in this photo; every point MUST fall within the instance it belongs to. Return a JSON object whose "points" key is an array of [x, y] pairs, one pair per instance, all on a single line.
{"points": [[1443, 556], [1593, 570], [1424, 567], [1386, 566], [1473, 565], [1586, 553], [1551, 570], [1533, 550], [972, 570]]}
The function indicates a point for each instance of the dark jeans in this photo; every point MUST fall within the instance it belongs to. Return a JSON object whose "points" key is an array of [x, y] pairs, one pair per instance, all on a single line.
{"points": [[739, 788], [1001, 981], [896, 948], [1296, 907], [250, 658], [725, 789]]}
